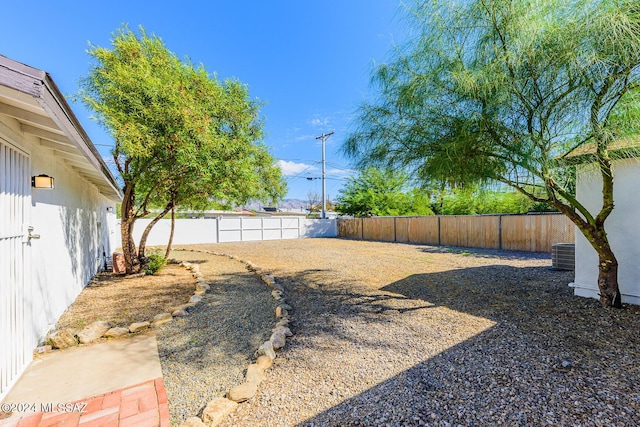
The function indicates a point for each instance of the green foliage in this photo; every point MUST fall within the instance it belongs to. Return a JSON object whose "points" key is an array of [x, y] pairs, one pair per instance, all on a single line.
{"points": [[177, 129], [376, 192], [484, 201], [182, 137], [508, 91], [155, 262], [499, 91]]}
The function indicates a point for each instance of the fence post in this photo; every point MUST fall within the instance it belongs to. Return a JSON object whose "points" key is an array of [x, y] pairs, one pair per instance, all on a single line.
{"points": [[218, 229], [395, 233], [439, 244], [361, 228], [500, 232]]}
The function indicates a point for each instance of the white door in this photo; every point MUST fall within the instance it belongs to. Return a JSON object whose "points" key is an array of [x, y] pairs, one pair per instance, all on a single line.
{"points": [[15, 193]]}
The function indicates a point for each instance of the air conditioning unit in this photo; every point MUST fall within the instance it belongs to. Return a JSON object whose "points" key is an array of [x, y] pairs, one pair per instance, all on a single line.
{"points": [[563, 256]]}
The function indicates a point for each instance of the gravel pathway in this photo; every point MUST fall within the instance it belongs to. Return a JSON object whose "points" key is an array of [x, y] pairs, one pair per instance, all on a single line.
{"points": [[204, 354], [394, 334]]}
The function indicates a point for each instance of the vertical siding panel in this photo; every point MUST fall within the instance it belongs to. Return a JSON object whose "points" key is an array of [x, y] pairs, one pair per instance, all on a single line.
{"points": [[14, 191]]}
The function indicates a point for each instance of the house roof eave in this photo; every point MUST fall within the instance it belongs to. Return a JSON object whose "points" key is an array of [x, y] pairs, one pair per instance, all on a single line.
{"points": [[58, 118]]}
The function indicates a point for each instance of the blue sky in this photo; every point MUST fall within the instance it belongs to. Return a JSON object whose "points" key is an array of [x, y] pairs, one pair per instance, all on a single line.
{"points": [[309, 61]]}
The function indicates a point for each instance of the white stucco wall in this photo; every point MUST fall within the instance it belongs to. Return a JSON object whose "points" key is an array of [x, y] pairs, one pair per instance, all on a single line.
{"points": [[74, 227], [623, 229]]}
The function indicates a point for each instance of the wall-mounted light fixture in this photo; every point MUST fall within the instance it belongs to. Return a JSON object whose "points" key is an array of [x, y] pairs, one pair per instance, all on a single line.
{"points": [[109, 208], [42, 181]]}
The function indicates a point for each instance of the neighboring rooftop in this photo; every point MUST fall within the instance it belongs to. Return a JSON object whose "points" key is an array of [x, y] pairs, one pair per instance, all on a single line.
{"points": [[624, 147]]}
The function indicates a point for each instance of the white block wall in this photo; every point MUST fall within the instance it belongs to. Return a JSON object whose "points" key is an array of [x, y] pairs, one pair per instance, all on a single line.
{"points": [[233, 229]]}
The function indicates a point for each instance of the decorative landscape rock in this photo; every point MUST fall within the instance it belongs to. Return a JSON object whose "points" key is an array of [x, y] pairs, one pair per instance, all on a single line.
{"points": [[62, 339], [202, 285], [185, 307], [216, 410], [161, 319], [93, 331], [254, 374], [193, 422], [276, 294], [266, 349], [42, 349], [242, 392], [180, 313], [283, 330], [195, 299], [280, 312], [116, 332], [138, 326], [283, 322], [264, 362], [269, 279], [278, 340], [286, 307]]}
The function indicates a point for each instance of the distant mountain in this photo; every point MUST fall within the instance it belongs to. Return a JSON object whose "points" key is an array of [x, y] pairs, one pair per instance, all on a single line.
{"points": [[293, 205]]}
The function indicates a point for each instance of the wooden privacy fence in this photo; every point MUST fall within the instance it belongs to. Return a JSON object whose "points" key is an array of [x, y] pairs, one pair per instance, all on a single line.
{"points": [[530, 233]]}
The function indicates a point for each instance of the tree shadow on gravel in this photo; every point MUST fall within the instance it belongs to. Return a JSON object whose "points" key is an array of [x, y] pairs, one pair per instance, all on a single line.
{"points": [[485, 253], [550, 359], [205, 353]]}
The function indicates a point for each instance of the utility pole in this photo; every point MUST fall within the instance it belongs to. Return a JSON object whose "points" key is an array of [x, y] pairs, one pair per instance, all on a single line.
{"points": [[323, 137]]}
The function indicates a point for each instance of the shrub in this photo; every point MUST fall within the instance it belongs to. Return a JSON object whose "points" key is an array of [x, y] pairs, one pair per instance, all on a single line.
{"points": [[155, 262]]}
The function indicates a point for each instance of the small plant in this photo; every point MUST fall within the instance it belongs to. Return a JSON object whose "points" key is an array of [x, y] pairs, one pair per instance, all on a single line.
{"points": [[155, 262]]}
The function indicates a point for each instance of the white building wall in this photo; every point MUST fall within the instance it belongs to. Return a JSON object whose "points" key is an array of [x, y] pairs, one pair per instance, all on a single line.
{"points": [[74, 227], [623, 230]]}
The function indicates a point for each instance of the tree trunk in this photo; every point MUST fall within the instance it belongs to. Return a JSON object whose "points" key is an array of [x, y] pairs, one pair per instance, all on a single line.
{"points": [[607, 265], [143, 239], [608, 279], [596, 235], [127, 219], [173, 226]]}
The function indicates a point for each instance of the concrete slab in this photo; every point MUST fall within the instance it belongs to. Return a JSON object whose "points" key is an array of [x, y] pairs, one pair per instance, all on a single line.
{"points": [[80, 372]]}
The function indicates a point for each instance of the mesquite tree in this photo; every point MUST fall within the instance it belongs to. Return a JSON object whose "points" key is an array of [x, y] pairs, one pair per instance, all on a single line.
{"points": [[182, 137], [508, 91]]}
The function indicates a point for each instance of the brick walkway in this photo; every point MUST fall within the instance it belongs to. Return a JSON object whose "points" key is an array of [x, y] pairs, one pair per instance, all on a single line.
{"points": [[141, 405]]}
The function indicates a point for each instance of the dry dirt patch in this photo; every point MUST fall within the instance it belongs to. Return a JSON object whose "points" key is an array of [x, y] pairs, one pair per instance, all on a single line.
{"points": [[123, 300]]}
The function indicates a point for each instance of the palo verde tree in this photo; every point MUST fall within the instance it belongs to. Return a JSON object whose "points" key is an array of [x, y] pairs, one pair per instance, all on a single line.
{"points": [[504, 90], [182, 137]]}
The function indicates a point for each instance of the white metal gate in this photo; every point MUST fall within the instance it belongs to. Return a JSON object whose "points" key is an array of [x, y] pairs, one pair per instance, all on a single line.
{"points": [[15, 351]]}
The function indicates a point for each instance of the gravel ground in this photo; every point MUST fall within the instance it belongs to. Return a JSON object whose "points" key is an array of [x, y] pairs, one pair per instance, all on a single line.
{"points": [[395, 334], [204, 354]]}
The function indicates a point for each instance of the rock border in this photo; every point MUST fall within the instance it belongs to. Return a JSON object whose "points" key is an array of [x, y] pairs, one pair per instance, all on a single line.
{"points": [[68, 337], [219, 408]]}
